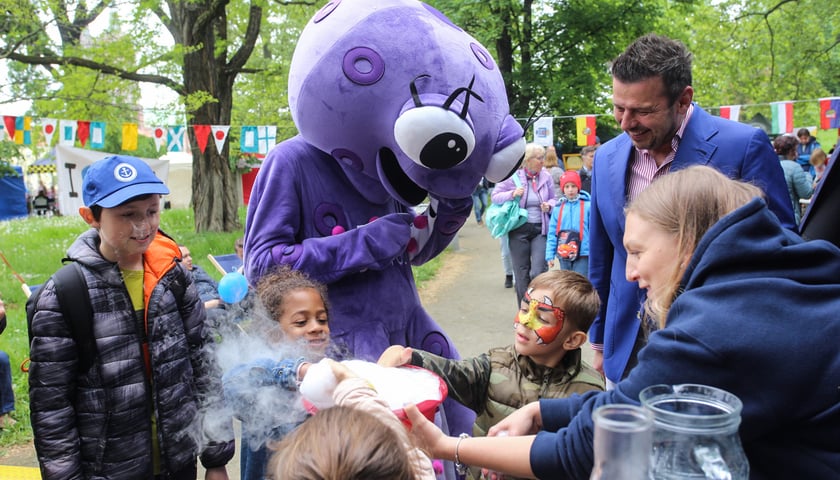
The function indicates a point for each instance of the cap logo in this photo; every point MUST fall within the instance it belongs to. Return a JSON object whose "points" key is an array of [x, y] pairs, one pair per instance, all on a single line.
{"points": [[125, 173]]}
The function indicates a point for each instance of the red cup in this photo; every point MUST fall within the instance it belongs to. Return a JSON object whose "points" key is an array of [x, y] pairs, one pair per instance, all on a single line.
{"points": [[427, 407]]}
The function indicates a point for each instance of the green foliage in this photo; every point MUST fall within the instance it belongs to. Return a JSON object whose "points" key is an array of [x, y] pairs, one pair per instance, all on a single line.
{"points": [[759, 51], [6, 170], [562, 72]]}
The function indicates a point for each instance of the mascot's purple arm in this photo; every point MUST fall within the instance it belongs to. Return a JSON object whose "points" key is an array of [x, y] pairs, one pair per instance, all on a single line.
{"points": [[395, 106], [299, 196]]}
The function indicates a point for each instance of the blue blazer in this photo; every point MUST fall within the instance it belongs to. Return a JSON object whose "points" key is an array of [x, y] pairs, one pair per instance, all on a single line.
{"points": [[736, 149]]}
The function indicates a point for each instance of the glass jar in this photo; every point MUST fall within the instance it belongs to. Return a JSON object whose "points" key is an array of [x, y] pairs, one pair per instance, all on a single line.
{"points": [[695, 433], [622, 442]]}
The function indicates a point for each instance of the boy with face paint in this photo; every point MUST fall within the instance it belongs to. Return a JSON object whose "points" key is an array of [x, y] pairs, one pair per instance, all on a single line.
{"points": [[544, 360]]}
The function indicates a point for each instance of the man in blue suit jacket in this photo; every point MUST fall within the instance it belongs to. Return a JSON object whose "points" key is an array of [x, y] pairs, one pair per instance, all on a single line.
{"points": [[663, 132]]}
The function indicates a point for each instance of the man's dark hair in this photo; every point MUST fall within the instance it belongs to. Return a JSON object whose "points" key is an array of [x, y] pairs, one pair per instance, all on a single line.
{"points": [[784, 145], [655, 56]]}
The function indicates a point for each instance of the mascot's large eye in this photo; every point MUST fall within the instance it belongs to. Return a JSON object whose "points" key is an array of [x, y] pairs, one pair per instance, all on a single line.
{"points": [[504, 162], [434, 137]]}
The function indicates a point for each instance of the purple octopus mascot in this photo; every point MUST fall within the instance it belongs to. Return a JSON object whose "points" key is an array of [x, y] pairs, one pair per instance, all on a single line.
{"points": [[396, 106]]}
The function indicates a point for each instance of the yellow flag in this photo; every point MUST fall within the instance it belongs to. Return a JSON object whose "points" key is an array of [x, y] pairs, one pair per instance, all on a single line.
{"points": [[129, 137], [23, 130], [585, 130]]}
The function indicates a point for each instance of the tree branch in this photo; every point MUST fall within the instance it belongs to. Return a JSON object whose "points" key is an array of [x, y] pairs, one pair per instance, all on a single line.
{"points": [[252, 33], [99, 67], [216, 10]]}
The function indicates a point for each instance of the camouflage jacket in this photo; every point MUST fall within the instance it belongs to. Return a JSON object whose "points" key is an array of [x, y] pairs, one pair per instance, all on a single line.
{"points": [[500, 381]]}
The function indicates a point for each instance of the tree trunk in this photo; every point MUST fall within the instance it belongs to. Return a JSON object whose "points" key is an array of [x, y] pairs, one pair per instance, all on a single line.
{"points": [[504, 51], [526, 84], [214, 184]]}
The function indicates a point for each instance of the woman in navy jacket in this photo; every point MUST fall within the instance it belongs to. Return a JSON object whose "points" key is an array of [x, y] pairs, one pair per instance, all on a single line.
{"points": [[739, 302]]}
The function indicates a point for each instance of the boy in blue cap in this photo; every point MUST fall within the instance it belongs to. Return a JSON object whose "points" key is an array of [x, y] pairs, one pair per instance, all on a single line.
{"points": [[136, 411]]}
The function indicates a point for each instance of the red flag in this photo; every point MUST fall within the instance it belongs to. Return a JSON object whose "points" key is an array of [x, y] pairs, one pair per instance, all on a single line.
{"points": [[9, 121], [730, 112], [202, 134], [82, 131], [829, 113]]}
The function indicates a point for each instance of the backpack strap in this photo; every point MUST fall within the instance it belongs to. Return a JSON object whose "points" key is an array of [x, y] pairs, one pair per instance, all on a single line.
{"points": [[560, 220], [74, 301]]}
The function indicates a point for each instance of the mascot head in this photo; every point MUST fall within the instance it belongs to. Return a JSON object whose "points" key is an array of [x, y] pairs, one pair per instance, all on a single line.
{"points": [[406, 101]]}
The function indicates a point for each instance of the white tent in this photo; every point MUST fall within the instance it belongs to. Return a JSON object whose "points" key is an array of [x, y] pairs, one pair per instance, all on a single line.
{"points": [[174, 168], [71, 162], [180, 178]]}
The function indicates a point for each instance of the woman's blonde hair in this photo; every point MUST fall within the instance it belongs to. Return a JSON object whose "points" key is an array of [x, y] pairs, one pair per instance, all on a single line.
{"points": [[686, 204], [532, 149], [550, 157], [342, 443]]}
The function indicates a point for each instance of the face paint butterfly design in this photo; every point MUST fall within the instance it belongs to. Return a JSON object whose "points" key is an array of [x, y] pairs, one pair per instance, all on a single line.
{"points": [[531, 319]]}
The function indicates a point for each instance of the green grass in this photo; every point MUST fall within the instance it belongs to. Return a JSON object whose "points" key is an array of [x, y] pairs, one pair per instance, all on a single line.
{"points": [[35, 246]]}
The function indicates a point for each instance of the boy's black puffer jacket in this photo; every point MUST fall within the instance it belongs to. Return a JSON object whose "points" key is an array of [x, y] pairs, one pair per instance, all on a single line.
{"points": [[98, 424]]}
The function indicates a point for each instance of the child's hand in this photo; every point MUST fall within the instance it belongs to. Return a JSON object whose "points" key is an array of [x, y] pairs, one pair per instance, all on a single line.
{"points": [[340, 370], [525, 421], [394, 356], [426, 434], [551, 264]]}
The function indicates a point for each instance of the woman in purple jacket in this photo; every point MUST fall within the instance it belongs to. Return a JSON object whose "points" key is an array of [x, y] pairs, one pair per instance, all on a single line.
{"points": [[738, 302], [535, 190]]}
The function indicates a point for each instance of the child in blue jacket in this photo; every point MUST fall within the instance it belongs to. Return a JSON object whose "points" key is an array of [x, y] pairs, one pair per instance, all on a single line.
{"points": [[568, 228]]}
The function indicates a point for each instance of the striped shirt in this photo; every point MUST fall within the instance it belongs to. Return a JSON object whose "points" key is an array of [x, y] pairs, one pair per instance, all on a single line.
{"points": [[643, 168]]}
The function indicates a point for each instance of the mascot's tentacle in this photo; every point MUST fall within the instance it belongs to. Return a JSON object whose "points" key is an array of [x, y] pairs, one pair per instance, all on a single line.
{"points": [[434, 229], [373, 246]]}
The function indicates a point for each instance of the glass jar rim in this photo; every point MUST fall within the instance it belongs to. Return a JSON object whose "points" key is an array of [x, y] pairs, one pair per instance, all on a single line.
{"points": [[692, 407]]}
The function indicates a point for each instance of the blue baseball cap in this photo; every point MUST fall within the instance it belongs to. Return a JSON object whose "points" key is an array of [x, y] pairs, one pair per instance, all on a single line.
{"points": [[113, 180]]}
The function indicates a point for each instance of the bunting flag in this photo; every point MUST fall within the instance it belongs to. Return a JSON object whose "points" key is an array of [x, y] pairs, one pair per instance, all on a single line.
{"points": [[23, 130], [175, 138], [220, 133], [260, 139], [129, 136], [83, 131], [68, 132], [48, 127], [830, 113], [202, 134], [97, 135], [730, 112], [159, 134], [782, 117], [9, 121], [248, 140], [544, 131], [266, 138], [585, 130]]}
